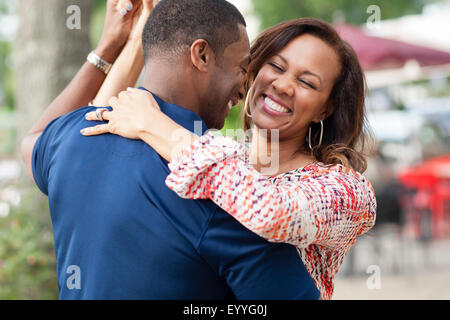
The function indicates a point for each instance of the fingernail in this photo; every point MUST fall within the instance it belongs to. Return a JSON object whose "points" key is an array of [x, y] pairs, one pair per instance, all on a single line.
{"points": [[129, 6], [123, 11], [82, 131]]}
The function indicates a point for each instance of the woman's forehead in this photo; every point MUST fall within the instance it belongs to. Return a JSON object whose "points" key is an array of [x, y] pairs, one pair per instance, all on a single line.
{"points": [[308, 52]]}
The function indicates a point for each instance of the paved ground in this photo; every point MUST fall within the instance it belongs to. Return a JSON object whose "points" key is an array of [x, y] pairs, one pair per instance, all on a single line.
{"points": [[389, 266], [432, 285]]}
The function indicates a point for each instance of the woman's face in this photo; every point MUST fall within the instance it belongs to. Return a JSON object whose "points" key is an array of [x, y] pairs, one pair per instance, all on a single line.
{"points": [[292, 88]]}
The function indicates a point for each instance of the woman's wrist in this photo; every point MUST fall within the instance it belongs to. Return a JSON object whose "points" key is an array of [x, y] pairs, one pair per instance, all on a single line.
{"points": [[108, 51]]}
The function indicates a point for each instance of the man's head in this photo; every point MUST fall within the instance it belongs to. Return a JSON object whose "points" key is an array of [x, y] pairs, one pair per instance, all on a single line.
{"points": [[208, 39]]}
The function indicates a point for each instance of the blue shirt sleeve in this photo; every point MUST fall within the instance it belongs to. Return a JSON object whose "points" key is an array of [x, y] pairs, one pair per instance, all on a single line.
{"points": [[41, 157], [253, 267]]}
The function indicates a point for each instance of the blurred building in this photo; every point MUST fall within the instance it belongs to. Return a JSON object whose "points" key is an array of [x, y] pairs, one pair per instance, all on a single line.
{"points": [[407, 67], [429, 29]]}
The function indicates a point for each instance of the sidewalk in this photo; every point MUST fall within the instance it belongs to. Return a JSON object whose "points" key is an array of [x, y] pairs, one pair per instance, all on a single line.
{"points": [[433, 285], [406, 269]]}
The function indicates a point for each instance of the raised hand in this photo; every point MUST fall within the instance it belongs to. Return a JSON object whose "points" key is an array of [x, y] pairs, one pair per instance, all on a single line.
{"points": [[128, 66], [121, 17]]}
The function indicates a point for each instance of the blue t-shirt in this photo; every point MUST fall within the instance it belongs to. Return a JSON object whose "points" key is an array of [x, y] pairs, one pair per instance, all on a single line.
{"points": [[121, 233]]}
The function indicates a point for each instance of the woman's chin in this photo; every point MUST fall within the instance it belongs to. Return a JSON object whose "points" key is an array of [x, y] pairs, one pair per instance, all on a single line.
{"points": [[264, 122]]}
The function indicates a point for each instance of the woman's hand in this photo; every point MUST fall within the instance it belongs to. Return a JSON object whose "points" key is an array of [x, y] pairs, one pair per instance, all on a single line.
{"points": [[133, 112], [136, 115], [122, 16]]}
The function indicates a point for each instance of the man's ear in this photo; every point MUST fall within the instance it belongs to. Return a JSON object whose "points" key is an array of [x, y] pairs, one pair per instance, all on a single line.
{"points": [[202, 56]]}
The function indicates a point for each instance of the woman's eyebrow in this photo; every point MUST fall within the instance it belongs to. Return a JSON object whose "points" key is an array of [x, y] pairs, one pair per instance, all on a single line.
{"points": [[282, 58]]}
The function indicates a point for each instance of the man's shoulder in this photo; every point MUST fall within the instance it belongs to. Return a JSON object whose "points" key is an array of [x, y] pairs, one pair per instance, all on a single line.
{"points": [[77, 115], [61, 123]]}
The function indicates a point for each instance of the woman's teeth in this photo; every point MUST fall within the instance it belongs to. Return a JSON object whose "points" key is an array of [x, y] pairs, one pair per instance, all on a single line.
{"points": [[275, 106]]}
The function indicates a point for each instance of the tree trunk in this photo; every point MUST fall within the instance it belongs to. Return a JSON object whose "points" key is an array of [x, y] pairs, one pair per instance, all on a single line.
{"points": [[51, 45], [48, 51]]}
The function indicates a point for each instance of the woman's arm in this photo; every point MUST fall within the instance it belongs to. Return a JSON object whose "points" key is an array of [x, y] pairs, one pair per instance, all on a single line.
{"points": [[327, 206], [128, 66], [123, 74], [86, 83]]}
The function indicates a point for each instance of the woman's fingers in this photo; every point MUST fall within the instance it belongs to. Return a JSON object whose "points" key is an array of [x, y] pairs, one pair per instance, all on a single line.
{"points": [[93, 116], [125, 6], [96, 130], [132, 111]]}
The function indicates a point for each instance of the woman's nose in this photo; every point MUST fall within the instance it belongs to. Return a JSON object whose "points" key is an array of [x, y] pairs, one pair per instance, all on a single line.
{"points": [[283, 84]]}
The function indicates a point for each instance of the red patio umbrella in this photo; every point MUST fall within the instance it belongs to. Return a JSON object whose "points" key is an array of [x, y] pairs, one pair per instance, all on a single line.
{"points": [[377, 53]]}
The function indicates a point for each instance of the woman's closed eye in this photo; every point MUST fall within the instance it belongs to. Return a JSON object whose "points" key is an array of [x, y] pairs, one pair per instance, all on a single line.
{"points": [[307, 84], [276, 66], [280, 69]]}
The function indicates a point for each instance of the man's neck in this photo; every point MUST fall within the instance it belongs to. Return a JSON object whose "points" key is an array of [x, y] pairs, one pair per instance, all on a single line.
{"points": [[170, 83]]}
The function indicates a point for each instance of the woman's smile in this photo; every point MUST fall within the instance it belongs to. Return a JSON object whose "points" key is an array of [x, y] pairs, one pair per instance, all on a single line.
{"points": [[274, 106], [269, 112]]}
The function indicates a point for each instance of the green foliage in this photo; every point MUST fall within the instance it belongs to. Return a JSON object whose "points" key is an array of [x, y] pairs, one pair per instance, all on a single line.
{"points": [[8, 132], [355, 12], [6, 75], [97, 20], [3, 7], [234, 119], [27, 258], [6, 72]]}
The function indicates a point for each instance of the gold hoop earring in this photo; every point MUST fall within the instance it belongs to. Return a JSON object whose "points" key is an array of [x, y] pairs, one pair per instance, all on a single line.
{"points": [[320, 138], [246, 103]]}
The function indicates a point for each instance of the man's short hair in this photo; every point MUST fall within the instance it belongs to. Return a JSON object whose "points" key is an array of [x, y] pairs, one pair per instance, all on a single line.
{"points": [[175, 24]]}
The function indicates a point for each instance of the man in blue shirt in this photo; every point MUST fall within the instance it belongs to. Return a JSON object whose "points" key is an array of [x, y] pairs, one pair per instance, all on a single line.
{"points": [[120, 233]]}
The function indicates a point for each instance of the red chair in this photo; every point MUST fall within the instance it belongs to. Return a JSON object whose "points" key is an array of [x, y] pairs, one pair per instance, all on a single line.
{"points": [[431, 181]]}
